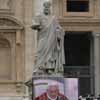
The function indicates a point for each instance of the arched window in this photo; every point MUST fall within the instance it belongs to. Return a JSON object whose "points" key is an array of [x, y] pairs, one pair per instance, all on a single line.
{"points": [[5, 59]]}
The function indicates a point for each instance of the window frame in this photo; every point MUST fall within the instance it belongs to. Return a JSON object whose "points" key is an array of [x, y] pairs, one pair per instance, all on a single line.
{"points": [[89, 13]]}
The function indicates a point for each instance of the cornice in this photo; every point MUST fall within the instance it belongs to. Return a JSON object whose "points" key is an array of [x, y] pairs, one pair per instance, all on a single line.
{"points": [[83, 22]]}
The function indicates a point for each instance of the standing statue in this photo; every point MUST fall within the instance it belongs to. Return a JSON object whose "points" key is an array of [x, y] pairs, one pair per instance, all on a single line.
{"points": [[50, 49]]}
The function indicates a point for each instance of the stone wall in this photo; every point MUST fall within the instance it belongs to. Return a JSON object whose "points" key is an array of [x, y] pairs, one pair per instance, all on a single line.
{"points": [[16, 47]]}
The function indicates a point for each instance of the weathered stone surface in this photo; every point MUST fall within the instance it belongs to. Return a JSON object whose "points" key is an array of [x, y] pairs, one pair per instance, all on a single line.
{"points": [[23, 11]]}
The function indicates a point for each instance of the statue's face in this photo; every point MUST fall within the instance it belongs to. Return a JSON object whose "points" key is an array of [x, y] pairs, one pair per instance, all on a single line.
{"points": [[53, 91], [47, 11], [47, 6]]}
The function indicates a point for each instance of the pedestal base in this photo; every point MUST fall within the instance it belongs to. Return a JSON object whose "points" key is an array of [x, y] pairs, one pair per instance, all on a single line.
{"points": [[47, 72]]}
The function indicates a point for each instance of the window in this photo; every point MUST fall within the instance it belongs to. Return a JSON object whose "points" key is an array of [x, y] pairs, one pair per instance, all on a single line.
{"points": [[78, 7]]}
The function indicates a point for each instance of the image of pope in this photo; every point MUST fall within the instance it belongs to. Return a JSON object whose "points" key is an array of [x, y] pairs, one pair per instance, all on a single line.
{"points": [[52, 93]]}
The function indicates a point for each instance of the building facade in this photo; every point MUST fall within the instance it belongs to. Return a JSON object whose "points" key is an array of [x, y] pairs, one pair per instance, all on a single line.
{"points": [[80, 20], [16, 47]]}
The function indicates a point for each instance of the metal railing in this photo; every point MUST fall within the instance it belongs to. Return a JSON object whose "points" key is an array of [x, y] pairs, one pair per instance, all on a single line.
{"points": [[77, 71]]}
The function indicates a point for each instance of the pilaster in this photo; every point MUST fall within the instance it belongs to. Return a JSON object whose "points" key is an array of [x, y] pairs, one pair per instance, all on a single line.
{"points": [[97, 62]]}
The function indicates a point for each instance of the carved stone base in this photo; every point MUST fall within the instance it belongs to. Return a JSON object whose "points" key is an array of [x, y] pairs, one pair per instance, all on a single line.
{"points": [[11, 98], [47, 71]]}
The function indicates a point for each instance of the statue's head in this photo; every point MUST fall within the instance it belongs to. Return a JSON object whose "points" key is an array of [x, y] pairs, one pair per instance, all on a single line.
{"points": [[47, 8]]}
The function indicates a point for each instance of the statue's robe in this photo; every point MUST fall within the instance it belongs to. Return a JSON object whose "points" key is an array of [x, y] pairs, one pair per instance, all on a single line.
{"points": [[44, 97], [50, 49]]}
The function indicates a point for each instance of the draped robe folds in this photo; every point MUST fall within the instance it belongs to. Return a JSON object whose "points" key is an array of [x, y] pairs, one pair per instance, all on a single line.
{"points": [[50, 49]]}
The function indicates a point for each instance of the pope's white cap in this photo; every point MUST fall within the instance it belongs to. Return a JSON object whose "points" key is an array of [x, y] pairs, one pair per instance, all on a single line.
{"points": [[53, 84]]}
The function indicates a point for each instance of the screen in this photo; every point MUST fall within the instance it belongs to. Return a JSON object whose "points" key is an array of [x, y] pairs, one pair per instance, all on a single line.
{"points": [[67, 86]]}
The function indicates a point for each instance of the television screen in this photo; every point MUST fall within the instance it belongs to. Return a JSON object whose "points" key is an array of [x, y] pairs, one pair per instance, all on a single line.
{"points": [[44, 87]]}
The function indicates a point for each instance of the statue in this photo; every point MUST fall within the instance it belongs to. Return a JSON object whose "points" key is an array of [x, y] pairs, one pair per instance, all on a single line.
{"points": [[50, 50]]}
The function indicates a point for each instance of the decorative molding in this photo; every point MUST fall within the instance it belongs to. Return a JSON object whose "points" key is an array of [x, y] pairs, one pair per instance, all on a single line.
{"points": [[83, 22], [18, 37], [19, 87], [9, 22], [4, 43], [6, 6]]}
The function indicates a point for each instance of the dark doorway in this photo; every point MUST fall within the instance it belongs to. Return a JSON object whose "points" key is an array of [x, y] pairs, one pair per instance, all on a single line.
{"points": [[77, 59], [77, 49]]}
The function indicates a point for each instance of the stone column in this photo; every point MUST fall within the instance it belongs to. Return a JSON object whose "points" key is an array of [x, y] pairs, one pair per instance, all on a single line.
{"points": [[18, 55], [36, 44], [97, 62], [19, 67]]}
